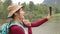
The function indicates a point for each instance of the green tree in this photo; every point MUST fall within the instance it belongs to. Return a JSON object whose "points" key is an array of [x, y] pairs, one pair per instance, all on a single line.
{"points": [[25, 6], [6, 4], [1, 8], [31, 6], [18, 3], [57, 10]]}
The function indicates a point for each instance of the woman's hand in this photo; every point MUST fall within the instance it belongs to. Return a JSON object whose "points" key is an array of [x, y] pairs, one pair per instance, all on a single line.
{"points": [[49, 16], [27, 22]]}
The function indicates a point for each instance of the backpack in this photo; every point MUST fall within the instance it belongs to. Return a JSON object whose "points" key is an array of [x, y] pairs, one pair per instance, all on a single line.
{"points": [[6, 26]]}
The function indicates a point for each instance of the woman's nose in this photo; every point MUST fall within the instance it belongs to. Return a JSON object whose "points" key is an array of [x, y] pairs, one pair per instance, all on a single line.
{"points": [[23, 12]]}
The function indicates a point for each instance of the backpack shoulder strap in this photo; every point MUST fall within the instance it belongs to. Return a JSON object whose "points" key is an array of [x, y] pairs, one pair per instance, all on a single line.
{"points": [[18, 24]]}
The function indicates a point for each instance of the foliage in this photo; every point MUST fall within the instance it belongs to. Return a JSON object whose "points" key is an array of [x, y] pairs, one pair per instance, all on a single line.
{"points": [[33, 11], [4, 6]]}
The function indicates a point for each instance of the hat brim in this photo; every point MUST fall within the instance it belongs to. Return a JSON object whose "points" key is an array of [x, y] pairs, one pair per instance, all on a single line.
{"points": [[12, 12]]}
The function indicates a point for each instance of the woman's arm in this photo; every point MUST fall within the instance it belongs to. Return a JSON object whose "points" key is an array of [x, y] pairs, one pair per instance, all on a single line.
{"points": [[39, 22]]}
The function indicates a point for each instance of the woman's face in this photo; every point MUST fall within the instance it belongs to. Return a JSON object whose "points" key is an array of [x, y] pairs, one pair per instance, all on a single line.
{"points": [[21, 13]]}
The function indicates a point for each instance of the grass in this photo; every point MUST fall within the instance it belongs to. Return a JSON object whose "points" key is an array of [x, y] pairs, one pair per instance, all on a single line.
{"points": [[58, 15]]}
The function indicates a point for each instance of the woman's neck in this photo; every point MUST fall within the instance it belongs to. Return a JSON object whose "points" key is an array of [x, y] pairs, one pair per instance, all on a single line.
{"points": [[16, 19]]}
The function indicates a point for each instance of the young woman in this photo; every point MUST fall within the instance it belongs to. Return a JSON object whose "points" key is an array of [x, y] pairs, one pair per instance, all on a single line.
{"points": [[17, 14]]}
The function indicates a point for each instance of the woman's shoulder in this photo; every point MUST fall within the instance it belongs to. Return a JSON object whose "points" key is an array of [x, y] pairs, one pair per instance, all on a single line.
{"points": [[16, 29]]}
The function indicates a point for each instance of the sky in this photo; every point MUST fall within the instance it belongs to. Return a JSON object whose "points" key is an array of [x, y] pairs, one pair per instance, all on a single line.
{"points": [[27, 1]]}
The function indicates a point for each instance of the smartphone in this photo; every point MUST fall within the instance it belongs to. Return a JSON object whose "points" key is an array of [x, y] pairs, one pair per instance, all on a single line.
{"points": [[50, 10]]}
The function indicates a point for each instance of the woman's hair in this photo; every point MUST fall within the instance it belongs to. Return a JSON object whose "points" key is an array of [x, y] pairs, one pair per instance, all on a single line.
{"points": [[12, 16]]}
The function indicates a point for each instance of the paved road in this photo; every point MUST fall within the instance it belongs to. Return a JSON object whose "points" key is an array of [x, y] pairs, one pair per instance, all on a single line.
{"points": [[47, 28]]}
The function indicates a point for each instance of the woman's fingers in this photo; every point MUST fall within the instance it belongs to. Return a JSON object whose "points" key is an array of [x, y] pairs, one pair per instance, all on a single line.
{"points": [[27, 22]]}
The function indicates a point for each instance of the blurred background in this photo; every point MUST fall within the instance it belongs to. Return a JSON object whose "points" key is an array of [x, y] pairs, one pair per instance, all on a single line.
{"points": [[35, 10]]}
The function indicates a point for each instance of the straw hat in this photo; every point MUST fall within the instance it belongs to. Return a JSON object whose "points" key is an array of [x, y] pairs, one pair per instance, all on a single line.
{"points": [[13, 8]]}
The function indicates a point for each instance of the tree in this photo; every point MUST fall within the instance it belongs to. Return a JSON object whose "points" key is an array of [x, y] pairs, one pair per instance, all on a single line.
{"points": [[1, 6], [5, 5], [18, 3], [31, 6], [25, 6], [57, 10]]}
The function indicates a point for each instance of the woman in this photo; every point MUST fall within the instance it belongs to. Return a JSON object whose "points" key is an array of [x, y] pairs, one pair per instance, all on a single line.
{"points": [[17, 14]]}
